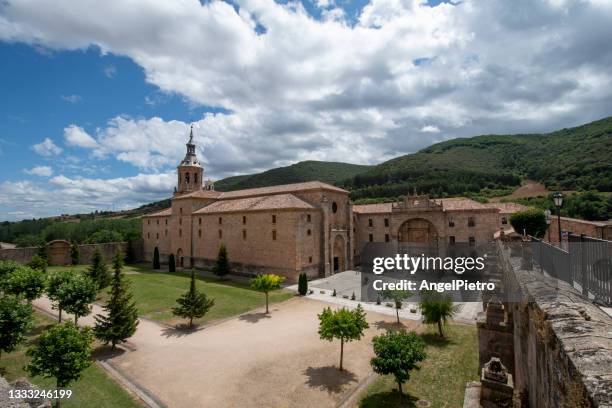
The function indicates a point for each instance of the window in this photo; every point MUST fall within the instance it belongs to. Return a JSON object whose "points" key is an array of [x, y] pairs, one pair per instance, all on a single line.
{"points": [[157, 222], [195, 178], [148, 235], [308, 218], [386, 237], [166, 221], [157, 236], [220, 234], [504, 220], [273, 219], [243, 234], [309, 232], [310, 259], [472, 241], [148, 222], [166, 233], [273, 235], [386, 222], [371, 237], [451, 240], [471, 222], [180, 232], [244, 219], [370, 222], [334, 207], [451, 222], [220, 220], [199, 233], [180, 221], [181, 210], [200, 220]]}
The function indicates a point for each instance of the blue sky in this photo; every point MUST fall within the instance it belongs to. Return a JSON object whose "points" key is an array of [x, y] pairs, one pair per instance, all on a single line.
{"points": [[96, 101]]}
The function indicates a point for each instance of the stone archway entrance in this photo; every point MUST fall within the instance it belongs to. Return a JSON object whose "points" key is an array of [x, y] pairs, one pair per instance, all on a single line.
{"points": [[339, 254], [418, 231], [179, 257]]}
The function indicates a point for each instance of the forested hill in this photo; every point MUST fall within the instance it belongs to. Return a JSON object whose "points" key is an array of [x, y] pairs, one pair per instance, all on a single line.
{"points": [[328, 172], [569, 159]]}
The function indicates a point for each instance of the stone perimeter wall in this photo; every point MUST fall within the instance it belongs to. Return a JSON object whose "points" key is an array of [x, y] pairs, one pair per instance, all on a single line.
{"points": [[562, 344], [24, 255]]}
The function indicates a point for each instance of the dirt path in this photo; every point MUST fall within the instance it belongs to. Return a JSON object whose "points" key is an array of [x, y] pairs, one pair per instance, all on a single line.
{"points": [[529, 189]]}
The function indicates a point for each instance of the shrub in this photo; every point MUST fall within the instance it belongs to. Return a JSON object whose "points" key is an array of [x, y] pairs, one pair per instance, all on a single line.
{"points": [[39, 263], [532, 221], [221, 267]]}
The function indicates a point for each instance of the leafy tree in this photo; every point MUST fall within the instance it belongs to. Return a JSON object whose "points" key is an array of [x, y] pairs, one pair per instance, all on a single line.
{"points": [[15, 320], [221, 267], [25, 281], [6, 267], [343, 324], [54, 284], [303, 284], [156, 258], [104, 236], [437, 309], [62, 352], [398, 297], [193, 304], [532, 221], [98, 272], [267, 283], [76, 296], [42, 252], [397, 353], [28, 240], [75, 253], [171, 263], [38, 262], [121, 318]]}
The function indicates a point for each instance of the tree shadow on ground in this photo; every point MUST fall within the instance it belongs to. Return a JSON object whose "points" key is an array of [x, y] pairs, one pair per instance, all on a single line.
{"points": [[180, 330], [328, 378], [434, 340], [389, 399], [105, 352], [390, 326], [254, 317]]}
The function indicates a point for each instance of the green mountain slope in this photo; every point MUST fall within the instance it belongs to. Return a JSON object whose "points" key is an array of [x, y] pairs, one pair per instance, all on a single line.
{"points": [[328, 172], [568, 159]]}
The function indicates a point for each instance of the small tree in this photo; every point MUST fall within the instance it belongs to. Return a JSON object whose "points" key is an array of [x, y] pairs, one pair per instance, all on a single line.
{"points": [[26, 282], [398, 297], [39, 263], [303, 284], [221, 267], [437, 309], [193, 304], [6, 267], [121, 318], [42, 252], [15, 320], [343, 324], [267, 283], [75, 253], [62, 352], [397, 353], [532, 221], [156, 258], [171, 263], [98, 272], [54, 284], [76, 296]]}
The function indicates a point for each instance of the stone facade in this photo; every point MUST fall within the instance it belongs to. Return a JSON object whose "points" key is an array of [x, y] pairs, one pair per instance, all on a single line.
{"points": [[595, 229], [59, 252]]}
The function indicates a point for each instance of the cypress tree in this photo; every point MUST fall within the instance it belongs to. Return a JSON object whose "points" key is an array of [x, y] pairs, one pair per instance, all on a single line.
{"points": [[98, 271], [171, 263], [75, 255], [193, 304], [156, 258], [303, 284], [121, 318], [222, 266]]}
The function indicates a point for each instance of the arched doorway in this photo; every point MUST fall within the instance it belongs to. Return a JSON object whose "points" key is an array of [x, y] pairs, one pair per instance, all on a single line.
{"points": [[339, 254], [179, 257], [419, 231]]}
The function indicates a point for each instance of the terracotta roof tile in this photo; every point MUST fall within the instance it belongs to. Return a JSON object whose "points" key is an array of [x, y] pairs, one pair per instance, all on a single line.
{"points": [[200, 194], [285, 188], [507, 208], [372, 208], [163, 213], [461, 203], [272, 202]]}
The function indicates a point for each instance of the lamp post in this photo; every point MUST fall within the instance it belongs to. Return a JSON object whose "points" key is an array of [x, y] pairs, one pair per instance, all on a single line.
{"points": [[548, 214], [558, 200]]}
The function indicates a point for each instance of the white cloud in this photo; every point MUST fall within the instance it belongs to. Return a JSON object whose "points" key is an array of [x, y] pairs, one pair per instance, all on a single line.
{"points": [[430, 129], [71, 98], [76, 136], [47, 148], [110, 71], [43, 171]]}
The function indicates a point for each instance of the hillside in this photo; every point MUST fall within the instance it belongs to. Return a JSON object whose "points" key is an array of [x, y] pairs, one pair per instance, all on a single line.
{"points": [[568, 159], [328, 172]]}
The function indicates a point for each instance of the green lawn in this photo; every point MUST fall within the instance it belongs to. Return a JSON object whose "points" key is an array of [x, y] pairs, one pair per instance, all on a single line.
{"points": [[156, 292], [95, 389], [441, 380]]}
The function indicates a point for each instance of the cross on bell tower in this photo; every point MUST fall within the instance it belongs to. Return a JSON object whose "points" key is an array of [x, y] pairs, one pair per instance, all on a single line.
{"points": [[190, 171]]}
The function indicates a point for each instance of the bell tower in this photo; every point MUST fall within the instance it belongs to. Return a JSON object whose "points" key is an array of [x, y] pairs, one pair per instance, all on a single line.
{"points": [[190, 171]]}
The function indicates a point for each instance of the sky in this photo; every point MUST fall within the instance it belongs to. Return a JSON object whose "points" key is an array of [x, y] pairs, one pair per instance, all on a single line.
{"points": [[96, 98]]}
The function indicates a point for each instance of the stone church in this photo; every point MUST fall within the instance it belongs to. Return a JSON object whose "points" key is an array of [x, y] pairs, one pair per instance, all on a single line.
{"points": [[309, 227]]}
